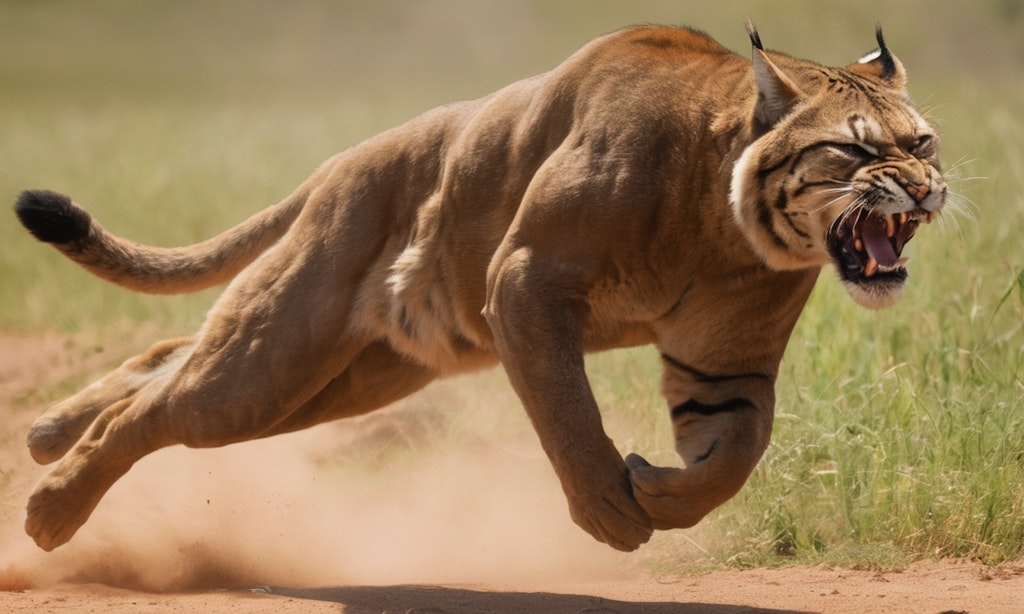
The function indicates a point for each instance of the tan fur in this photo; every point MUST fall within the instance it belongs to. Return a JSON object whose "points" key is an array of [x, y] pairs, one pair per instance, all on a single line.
{"points": [[647, 190]]}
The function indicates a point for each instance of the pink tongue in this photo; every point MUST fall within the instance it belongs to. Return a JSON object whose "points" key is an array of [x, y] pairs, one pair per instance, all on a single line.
{"points": [[872, 232]]}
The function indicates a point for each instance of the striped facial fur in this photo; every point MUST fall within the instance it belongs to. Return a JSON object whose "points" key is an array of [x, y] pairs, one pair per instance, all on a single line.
{"points": [[844, 170]]}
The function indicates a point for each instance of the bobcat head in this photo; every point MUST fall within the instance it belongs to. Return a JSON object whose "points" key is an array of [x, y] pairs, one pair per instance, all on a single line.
{"points": [[843, 169]]}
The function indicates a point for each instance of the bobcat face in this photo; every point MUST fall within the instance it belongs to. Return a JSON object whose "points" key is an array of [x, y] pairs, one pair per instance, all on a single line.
{"points": [[844, 174], [896, 186]]}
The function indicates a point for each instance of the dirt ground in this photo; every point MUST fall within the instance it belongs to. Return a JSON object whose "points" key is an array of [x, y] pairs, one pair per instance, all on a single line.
{"points": [[921, 588], [402, 566]]}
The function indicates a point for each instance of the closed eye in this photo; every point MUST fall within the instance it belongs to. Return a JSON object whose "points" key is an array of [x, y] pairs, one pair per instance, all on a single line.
{"points": [[924, 147], [856, 151]]}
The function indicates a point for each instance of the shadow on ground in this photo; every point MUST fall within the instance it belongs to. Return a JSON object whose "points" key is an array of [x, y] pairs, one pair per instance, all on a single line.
{"points": [[434, 599]]}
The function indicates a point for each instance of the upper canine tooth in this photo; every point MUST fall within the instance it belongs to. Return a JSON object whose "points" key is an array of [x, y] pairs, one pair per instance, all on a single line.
{"points": [[929, 216], [903, 217], [890, 226], [871, 267]]}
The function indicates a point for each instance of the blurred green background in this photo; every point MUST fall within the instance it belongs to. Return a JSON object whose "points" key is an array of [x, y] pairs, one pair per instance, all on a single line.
{"points": [[900, 434]]}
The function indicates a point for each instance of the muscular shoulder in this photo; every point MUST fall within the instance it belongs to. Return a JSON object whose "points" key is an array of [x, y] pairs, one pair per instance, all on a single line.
{"points": [[660, 70], [652, 44]]}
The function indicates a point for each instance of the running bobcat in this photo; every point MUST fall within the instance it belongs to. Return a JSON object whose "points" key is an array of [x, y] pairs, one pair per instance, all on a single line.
{"points": [[653, 188]]}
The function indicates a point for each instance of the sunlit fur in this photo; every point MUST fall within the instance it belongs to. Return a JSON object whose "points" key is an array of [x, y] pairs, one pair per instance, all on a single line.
{"points": [[654, 188]]}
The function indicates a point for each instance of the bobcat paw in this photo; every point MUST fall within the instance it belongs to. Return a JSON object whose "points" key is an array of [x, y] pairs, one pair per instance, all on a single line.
{"points": [[48, 521], [611, 515], [666, 494], [48, 441], [59, 506]]}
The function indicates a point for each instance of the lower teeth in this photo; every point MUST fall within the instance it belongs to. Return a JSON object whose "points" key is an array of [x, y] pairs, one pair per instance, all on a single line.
{"points": [[871, 267]]}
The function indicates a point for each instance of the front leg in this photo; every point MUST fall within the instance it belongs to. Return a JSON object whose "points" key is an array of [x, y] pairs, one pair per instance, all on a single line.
{"points": [[537, 331], [722, 426], [721, 356]]}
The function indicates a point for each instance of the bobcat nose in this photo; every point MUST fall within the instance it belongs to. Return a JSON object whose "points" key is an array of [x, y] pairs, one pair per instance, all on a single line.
{"points": [[917, 192]]}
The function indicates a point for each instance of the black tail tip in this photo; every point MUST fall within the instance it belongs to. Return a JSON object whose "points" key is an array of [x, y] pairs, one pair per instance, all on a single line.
{"points": [[51, 217]]}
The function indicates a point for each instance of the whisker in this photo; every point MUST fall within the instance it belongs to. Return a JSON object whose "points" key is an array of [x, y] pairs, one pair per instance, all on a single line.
{"points": [[844, 189], [834, 190], [958, 205], [857, 206], [953, 172], [963, 179], [962, 160], [845, 194], [961, 205]]}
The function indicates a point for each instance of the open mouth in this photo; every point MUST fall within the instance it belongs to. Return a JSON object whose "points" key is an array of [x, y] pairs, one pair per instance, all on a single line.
{"points": [[867, 246]]}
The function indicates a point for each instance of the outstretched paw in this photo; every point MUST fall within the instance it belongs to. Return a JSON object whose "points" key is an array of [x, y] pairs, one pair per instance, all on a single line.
{"points": [[49, 439], [60, 505], [49, 521]]}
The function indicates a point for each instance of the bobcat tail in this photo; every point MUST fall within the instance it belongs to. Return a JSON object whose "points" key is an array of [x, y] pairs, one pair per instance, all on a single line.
{"points": [[56, 219]]}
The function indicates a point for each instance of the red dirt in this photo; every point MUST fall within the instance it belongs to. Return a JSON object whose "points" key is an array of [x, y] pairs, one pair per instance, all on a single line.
{"points": [[476, 530]]}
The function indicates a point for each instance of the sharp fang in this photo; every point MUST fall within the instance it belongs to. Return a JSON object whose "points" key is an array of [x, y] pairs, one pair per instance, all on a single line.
{"points": [[903, 217], [858, 244], [890, 226], [929, 217], [871, 267]]}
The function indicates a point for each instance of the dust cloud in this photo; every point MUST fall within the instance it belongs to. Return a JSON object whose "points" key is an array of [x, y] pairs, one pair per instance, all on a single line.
{"points": [[433, 491]]}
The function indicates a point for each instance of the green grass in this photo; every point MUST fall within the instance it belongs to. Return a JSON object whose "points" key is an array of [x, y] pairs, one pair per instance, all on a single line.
{"points": [[899, 435]]}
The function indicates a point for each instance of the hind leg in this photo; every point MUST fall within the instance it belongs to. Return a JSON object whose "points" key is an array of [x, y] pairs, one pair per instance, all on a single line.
{"points": [[378, 377], [54, 432], [276, 338], [64, 500], [181, 411]]}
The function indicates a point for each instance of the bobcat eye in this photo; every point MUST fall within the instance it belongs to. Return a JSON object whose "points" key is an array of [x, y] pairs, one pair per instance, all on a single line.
{"points": [[856, 151], [924, 147]]}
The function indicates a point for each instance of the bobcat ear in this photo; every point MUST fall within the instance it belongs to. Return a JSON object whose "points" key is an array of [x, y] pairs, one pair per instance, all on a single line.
{"points": [[881, 65], [776, 93]]}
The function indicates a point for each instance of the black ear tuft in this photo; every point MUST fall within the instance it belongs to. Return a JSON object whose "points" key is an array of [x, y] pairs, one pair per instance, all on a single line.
{"points": [[884, 55], [777, 94], [51, 217], [755, 38]]}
